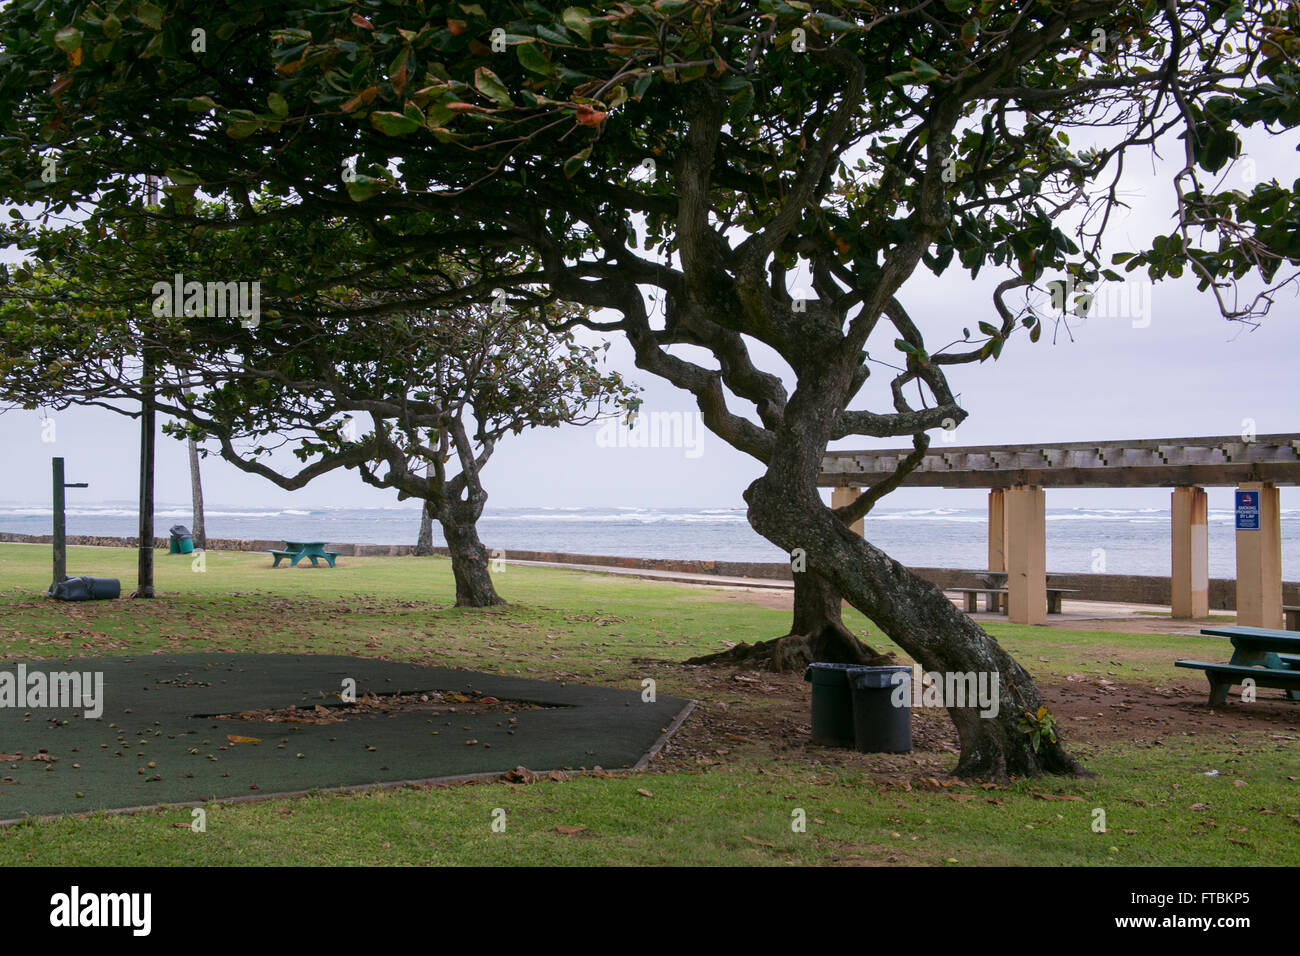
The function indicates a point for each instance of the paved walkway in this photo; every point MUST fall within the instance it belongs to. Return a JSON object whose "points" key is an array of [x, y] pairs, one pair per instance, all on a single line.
{"points": [[1084, 615]]}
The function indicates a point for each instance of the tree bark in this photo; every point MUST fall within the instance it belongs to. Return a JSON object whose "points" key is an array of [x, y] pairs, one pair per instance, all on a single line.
{"points": [[196, 497], [816, 634], [915, 615], [424, 543], [469, 558]]}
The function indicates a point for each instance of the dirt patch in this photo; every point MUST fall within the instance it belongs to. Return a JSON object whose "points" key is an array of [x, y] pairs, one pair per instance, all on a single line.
{"points": [[433, 703], [1095, 709], [767, 713]]}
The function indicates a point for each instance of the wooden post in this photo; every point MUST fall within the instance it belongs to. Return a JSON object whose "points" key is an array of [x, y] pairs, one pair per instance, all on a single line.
{"points": [[60, 526], [846, 496], [1259, 562], [1026, 549], [997, 530], [1189, 583]]}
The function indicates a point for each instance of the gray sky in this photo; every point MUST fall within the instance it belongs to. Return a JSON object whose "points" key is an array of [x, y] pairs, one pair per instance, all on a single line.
{"points": [[1186, 372]]}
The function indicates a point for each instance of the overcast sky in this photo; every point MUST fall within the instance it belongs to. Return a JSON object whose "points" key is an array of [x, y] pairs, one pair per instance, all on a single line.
{"points": [[1185, 372]]}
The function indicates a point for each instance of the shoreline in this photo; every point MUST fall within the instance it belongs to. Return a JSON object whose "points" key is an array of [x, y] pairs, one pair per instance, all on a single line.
{"points": [[1117, 588]]}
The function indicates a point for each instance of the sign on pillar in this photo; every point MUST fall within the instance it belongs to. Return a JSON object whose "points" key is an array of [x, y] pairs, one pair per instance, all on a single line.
{"points": [[1259, 555], [1026, 550], [1189, 582], [846, 496]]}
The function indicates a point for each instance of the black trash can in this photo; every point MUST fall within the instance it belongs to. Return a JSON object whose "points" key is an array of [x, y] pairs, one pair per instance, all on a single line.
{"points": [[182, 540], [832, 704], [87, 589], [880, 725]]}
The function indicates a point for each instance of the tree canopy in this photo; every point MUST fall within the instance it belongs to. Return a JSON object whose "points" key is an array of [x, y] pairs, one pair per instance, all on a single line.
{"points": [[688, 164]]}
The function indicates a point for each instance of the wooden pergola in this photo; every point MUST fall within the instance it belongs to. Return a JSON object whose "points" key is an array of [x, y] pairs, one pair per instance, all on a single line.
{"points": [[1016, 477]]}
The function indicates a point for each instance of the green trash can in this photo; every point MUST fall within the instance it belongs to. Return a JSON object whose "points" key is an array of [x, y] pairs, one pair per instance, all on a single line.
{"points": [[880, 727], [832, 704], [182, 541]]}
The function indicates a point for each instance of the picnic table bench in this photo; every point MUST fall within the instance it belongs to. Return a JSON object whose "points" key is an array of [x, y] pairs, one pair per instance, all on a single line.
{"points": [[1269, 657], [994, 598], [1292, 612], [295, 551]]}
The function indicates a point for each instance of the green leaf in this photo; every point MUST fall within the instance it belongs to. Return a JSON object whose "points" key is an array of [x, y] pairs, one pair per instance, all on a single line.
{"points": [[575, 18], [68, 39], [575, 162], [278, 104], [243, 124], [393, 124], [923, 72], [490, 85], [111, 26], [182, 178], [149, 15], [531, 58]]}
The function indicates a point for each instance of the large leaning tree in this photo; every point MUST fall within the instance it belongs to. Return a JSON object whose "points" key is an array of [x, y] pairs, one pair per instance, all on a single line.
{"points": [[714, 176], [370, 377]]}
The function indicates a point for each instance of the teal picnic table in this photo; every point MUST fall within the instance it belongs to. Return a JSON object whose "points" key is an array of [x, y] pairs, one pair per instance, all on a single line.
{"points": [[1269, 657], [295, 551]]}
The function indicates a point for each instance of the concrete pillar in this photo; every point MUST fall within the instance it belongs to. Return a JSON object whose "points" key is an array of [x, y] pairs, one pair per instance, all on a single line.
{"points": [[1189, 583], [846, 496], [1026, 551], [1259, 562], [997, 530]]}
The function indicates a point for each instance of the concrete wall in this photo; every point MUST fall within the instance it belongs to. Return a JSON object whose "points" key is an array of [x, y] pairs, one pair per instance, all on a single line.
{"points": [[1124, 588]]}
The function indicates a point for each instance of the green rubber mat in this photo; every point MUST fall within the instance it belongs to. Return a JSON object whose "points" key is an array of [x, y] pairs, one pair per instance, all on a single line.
{"points": [[156, 740]]}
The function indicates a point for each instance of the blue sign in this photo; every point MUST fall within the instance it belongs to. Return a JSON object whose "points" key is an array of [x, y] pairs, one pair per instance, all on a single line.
{"points": [[1248, 511]]}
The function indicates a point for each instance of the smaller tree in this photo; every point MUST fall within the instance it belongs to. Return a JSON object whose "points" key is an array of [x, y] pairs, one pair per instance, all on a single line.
{"points": [[409, 372], [414, 401]]}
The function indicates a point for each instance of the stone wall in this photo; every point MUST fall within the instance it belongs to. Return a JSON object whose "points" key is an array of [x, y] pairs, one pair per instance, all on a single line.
{"points": [[1122, 588]]}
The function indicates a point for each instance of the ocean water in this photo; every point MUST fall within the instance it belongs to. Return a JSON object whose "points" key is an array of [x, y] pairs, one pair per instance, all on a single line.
{"points": [[1113, 540]]}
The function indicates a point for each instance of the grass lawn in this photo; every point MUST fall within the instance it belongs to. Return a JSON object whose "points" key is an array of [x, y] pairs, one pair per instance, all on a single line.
{"points": [[726, 789]]}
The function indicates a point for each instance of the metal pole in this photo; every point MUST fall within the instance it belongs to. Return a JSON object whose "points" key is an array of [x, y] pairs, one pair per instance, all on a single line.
{"points": [[60, 526], [144, 583]]}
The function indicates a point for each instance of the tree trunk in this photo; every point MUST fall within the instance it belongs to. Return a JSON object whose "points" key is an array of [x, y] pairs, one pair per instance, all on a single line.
{"points": [[817, 634], [785, 508], [424, 544], [469, 558], [196, 496]]}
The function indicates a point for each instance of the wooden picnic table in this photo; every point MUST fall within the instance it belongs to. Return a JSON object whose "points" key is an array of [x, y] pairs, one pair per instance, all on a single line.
{"points": [[1269, 657], [295, 551], [995, 598], [997, 592]]}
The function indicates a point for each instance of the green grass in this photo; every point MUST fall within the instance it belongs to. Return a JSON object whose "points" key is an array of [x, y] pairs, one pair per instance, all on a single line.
{"points": [[601, 628]]}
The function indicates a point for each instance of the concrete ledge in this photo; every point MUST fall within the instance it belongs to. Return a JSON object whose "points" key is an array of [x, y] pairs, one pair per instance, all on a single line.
{"points": [[1119, 588]]}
